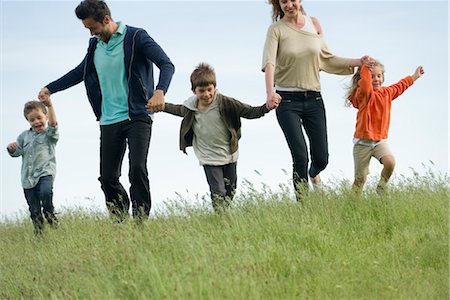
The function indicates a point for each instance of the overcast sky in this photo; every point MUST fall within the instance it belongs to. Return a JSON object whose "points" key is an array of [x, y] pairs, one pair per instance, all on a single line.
{"points": [[41, 41]]}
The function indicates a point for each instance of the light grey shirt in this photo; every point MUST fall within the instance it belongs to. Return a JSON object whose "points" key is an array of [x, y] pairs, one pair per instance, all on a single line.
{"points": [[38, 155], [211, 140]]}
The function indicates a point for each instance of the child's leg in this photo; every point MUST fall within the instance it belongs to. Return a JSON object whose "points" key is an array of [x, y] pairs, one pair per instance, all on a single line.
{"points": [[230, 180], [385, 156], [361, 158], [44, 190], [34, 206], [216, 182], [388, 162]]}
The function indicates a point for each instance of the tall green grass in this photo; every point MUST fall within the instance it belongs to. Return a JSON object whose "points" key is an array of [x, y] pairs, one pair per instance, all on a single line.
{"points": [[334, 245]]}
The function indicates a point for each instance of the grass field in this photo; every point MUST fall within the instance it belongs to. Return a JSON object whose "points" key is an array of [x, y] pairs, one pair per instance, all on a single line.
{"points": [[333, 246]]}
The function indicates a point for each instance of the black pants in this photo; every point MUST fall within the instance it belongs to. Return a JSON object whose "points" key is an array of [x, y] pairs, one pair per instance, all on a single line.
{"points": [[222, 181], [40, 199], [304, 109], [113, 141]]}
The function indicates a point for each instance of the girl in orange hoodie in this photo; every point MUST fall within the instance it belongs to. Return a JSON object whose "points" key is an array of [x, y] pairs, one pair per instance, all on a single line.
{"points": [[373, 102]]}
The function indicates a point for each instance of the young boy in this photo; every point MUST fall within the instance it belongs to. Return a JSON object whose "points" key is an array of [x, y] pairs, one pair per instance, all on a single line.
{"points": [[373, 102], [37, 148], [211, 124]]}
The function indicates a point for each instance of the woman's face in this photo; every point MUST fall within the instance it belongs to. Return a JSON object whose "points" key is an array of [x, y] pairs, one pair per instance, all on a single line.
{"points": [[290, 8]]}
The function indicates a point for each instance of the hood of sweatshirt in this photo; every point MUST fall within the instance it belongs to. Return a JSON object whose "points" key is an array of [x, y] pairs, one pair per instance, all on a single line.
{"points": [[191, 103]]}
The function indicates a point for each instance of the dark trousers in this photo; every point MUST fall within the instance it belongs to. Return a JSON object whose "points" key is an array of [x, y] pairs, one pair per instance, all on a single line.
{"points": [[40, 200], [304, 109], [222, 181], [113, 142]]}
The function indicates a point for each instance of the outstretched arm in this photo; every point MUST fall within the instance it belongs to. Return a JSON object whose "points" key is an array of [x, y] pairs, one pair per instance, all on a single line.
{"points": [[45, 98], [419, 72]]}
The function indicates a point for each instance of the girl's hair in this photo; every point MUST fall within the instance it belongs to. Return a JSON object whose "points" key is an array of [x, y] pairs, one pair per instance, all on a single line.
{"points": [[32, 105], [203, 75], [354, 82], [277, 12]]}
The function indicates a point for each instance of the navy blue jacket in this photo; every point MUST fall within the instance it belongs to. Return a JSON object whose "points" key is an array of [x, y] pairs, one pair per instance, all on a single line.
{"points": [[141, 52]]}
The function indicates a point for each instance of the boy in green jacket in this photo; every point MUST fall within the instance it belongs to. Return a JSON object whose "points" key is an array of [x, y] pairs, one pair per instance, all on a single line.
{"points": [[37, 145], [211, 124]]}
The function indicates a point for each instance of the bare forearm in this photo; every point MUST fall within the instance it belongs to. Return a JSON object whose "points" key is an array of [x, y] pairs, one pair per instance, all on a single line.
{"points": [[51, 116], [269, 75]]}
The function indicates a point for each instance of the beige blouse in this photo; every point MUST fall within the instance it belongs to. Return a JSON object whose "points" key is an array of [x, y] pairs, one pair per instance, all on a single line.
{"points": [[298, 57]]}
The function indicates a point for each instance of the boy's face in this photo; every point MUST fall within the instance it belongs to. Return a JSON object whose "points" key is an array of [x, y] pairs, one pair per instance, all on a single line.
{"points": [[37, 120], [205, 94], [377, 77]]}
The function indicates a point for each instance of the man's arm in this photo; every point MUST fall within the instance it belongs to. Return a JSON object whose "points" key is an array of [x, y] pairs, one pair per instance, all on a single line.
{"points": [[156, 54]]}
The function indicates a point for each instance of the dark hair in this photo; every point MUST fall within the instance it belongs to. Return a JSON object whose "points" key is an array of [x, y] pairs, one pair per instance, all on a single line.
{"points": [[95, 9], [203, 75], [32, 105]]}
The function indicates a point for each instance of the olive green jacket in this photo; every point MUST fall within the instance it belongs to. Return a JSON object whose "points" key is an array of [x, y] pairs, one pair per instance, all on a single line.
{"points": [[231, 111]]}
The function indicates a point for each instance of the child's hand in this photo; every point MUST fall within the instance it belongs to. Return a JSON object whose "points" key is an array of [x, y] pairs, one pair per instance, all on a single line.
{"points": [[12, 147], [44, 92], [45, 98], [273, 101], [419, 72], [47, 102], [368, 61]]}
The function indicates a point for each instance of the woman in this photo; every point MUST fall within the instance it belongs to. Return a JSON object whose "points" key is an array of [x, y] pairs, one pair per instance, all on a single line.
{"points": [[294, 54]]}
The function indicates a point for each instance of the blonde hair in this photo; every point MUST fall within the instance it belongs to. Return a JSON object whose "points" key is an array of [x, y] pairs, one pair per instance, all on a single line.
{"points": [[203, 75], [277, 12], [354, 82]]}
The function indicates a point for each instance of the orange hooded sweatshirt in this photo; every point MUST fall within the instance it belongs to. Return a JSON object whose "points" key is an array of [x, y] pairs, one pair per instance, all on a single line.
{"points": [[374, 106]]}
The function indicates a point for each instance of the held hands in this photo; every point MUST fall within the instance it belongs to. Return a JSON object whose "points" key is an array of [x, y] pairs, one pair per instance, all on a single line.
{"points": [[44, 93], [367, 61], [44, 97], [156, 102], [273, 100], [419, 72]]}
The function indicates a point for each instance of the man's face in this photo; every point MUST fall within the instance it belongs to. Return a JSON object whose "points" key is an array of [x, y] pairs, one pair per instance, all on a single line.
{"points": [[99, 29]]}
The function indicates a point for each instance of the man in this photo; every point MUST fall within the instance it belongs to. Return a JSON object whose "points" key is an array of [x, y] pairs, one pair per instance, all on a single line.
{"points": [[118, 74]]}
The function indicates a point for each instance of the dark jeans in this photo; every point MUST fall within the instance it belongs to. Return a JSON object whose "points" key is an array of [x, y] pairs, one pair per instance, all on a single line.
{"points": [[113, 141], [305, 109], [222, 181], [40, 199]]}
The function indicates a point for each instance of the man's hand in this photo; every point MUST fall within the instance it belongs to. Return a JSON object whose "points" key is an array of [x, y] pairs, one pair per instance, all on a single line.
{"points": [[156, 102], [44, 93]]}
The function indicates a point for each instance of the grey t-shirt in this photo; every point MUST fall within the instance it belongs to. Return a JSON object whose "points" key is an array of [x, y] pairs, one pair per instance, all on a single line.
{"points": [[211, 140]]}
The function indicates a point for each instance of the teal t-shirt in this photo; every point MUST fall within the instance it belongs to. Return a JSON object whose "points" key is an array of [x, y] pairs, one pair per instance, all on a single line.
{"points": [[110, 65]]}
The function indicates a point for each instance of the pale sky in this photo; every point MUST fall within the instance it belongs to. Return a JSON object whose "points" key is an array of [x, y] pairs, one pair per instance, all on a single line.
{"points": [[41, 41]]}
